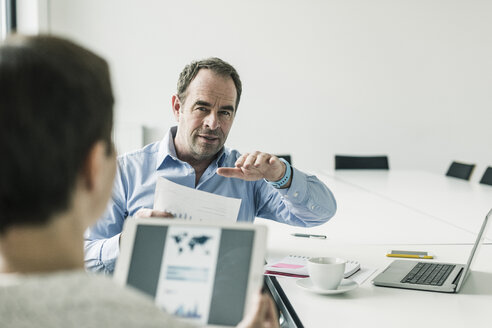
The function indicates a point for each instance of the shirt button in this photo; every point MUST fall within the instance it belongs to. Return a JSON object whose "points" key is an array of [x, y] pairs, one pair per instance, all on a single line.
{"points": [[296, 194], [312, 207]]}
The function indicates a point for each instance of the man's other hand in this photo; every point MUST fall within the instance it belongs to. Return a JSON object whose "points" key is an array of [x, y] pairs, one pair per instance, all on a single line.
{"points": [[150, 213], [255, 166], [262, 315]]}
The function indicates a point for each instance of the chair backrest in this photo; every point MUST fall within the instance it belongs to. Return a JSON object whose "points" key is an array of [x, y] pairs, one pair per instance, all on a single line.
{"points": [[152, 134], [343, 162], [460, 170], [286, 157], [487, 176]]}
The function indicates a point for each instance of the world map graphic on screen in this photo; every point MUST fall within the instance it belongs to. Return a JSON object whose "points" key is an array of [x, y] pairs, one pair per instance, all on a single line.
{"points": [[186, 242]]}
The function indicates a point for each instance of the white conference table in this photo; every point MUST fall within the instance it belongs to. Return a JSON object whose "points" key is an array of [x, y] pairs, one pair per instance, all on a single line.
{"points": [[365, 218], [371, 221], [458, 202]]}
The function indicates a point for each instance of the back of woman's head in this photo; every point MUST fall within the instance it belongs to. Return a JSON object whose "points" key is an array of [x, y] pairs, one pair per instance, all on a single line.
{"points": [[55, 103]]}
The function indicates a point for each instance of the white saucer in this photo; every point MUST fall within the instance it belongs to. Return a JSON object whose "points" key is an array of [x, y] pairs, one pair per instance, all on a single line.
{"points": [[345, 286]]}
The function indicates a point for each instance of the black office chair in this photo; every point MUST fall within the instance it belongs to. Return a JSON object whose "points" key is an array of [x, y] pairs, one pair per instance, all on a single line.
{"points": [[286, 157], [361, 162], [487, 176], [460, 170]]}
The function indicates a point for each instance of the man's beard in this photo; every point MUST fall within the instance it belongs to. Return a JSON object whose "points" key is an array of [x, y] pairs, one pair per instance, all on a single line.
{"points": [[201, 149]]}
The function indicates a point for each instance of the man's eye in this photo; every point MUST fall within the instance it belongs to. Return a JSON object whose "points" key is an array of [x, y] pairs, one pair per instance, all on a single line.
{"points": [[201, 110], [225, 113]]}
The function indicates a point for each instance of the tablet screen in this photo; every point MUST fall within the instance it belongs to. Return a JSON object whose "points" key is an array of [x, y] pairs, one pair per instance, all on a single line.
{"points": [[198, 273]]}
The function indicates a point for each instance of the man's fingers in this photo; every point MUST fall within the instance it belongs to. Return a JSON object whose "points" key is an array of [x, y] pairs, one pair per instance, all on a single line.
{"points": [[255, 166], [241, 159], [230, 172], [262, 158], [273, 160], [240, 173], [250, 160], [150, 213], [161, 214], [143, 213]]}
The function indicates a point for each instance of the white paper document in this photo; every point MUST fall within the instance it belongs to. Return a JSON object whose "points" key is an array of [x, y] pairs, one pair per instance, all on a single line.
{"points": [[191, 204], [362, 275]]}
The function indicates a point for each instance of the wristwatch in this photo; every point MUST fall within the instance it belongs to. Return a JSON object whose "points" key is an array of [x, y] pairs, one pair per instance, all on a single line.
{"points": [[285, 179]]}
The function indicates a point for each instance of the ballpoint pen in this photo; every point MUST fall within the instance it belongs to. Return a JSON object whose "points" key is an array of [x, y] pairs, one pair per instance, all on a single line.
{"points": [[307, 235]]}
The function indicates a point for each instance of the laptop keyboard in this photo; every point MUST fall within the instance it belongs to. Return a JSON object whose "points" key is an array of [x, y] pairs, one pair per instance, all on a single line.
{"points": [[428, 274]]}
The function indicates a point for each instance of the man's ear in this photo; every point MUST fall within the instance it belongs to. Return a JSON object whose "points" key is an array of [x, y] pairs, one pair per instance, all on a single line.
{"points": [[176, 103], [93, 166]]}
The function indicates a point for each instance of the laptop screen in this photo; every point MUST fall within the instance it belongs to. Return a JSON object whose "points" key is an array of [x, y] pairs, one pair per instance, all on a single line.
{"points": [[195, 272], [476, 247]]}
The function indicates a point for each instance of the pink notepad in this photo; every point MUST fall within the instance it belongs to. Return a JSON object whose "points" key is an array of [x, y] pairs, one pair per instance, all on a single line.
{"points": [[287, 266], [292, 265]]}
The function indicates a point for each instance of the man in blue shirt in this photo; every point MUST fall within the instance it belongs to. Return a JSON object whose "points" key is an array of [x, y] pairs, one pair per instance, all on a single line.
{"points": [[193, 154], [56, 110]]}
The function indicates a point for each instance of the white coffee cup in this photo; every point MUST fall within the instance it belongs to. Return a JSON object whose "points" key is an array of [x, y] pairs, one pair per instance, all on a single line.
{"points": [[326, 272]]}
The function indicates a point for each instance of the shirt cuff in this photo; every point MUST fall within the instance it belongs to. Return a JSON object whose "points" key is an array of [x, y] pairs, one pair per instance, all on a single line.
{"points": [[297, 191], [110, 251]]}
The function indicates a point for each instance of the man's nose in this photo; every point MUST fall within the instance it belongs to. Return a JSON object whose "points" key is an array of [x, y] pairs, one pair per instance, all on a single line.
{"points": [[212, 120]]}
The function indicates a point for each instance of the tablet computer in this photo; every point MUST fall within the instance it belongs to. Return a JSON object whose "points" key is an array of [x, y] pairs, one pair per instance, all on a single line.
{"points": [[206, 273]]}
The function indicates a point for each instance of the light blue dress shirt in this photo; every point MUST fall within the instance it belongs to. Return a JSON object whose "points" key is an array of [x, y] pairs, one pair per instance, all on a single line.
{"points": [[306, 203]]}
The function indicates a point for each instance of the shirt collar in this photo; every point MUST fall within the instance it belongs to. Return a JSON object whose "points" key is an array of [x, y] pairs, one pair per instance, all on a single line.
{"points": [[167, 149], [221, 157]]}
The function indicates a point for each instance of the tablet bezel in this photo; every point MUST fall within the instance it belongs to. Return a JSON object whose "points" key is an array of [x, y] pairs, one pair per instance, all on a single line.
{"points": [[255, 276]]}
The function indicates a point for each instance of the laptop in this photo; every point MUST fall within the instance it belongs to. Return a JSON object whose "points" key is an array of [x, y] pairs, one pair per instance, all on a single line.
{"points": [[431, 276], [205, 273]]}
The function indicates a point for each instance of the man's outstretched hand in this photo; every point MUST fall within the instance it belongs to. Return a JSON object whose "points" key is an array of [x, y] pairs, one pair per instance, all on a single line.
{"points": [[255, 166]]}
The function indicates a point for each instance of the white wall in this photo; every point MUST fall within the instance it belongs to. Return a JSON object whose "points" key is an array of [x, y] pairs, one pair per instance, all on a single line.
{"points": [[32, 16], [410, 79], [3, 20]]}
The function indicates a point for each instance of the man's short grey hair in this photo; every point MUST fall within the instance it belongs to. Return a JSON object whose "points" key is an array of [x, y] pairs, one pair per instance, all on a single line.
{"points": [[217, 65]]}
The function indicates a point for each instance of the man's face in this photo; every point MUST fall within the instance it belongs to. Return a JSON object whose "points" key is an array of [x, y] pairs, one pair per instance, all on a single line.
{"points": [[205, 117]]}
